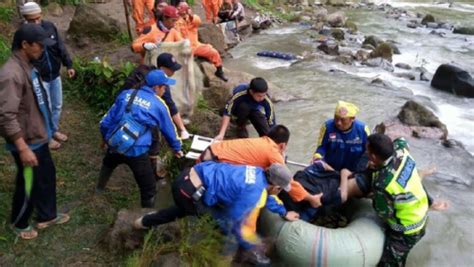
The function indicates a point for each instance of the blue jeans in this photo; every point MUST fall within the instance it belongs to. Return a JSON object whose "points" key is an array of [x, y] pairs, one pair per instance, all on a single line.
{"points": [[54, 89]]}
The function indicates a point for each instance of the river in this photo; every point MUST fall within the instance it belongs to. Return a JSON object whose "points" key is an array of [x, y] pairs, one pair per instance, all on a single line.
{"points": [[449, 239]]}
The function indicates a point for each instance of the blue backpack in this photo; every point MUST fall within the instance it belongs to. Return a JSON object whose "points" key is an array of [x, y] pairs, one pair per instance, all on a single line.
{"points": [[127, 132]]}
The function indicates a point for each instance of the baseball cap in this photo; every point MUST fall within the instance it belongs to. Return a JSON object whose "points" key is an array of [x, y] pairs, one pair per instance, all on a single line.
{"points": [[30, 8], [258, 85], [167, 60], [32, 33], [170, 12], [279, 175], [158, 77]]}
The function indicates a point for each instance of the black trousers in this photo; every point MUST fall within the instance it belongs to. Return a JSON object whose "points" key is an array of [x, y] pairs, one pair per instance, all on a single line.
{"points": [[142, 171], [245, 113], [182, 190], [43, 192]]}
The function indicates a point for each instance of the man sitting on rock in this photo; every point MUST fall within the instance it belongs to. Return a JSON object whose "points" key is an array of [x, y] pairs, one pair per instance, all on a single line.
{"points": [[161, 31], [230, 193], [249, 102], [188, 25]]}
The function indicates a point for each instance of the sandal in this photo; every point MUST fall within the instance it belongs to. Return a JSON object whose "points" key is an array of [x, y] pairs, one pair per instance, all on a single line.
{"points": [[26, 234], [58, 136], [54, 145], [60, 219]]}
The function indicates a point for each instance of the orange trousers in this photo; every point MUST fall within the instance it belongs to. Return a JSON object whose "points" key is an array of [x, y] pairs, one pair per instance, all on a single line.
{"points": [[212, 9], [208, 52], [138, 14]]}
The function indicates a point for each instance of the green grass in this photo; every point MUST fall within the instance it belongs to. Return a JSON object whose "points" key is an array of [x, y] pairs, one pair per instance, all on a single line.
{"points": [[4, 50], [6, 13]]}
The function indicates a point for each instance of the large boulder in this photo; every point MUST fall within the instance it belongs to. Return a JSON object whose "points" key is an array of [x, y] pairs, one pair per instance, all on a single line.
{"points": [[211, 34], [383, 50], [321, 14], [351, 26], [452, 79], [336, 19], [88, 23], [330, 48], [415, 114], [338, 34], [464, 30]]}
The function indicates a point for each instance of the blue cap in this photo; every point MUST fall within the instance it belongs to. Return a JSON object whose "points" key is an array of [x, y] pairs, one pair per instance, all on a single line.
{"points": [[158, 77], [167, 60]]}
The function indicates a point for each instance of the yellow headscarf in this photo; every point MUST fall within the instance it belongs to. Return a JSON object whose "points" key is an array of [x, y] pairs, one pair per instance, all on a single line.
{"points": [[346, 109]]}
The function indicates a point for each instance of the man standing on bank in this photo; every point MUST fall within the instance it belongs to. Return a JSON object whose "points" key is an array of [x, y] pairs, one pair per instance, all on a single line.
{"points": [[49, 67]]}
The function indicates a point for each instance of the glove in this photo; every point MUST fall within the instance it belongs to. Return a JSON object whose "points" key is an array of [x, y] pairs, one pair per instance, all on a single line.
{"points": [[149, 46]]}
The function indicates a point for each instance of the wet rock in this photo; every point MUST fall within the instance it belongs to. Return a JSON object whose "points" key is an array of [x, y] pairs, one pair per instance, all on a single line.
{"points": [[336, 19], [464, 30], [361, 55], [428, 18], [318, 26], [432, 25], [55, 9], [338, 34], [382, 83], [379, 62], [326, 32], [305, 18], [368, 46], [446, 26], [395, 129], [403, 66], [330, 48], [406, 75], [394, 47], [345, 59], [345, 51], [336, 2], [412, 25], [209, 33], [454, 80], [383, 50], [351, 26], [451, 143], [322, 39], [374, 41], [89, 23], [426, 76], [415, 114], [207, 122], [440, 34]]}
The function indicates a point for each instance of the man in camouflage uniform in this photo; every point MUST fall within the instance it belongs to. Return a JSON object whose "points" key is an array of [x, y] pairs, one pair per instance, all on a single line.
{"points": [[399, 197]]}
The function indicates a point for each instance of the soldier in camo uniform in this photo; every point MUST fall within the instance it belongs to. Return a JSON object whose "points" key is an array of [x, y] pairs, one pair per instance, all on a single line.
{"points": [[399, 197]]}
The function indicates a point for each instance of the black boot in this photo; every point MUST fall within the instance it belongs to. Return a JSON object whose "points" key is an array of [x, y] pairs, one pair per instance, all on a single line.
{"points": [[148, 203], [105, 173], [220, 74]]}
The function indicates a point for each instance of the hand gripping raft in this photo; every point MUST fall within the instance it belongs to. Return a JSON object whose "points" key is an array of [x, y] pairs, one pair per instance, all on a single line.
{"points": [[280, 55]]}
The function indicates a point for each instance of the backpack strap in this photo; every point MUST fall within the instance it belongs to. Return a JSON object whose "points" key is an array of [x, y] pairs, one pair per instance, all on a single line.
{"points": [[130, 101]]}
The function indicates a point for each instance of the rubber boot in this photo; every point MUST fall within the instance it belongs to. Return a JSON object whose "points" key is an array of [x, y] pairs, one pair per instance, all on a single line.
{"points": [[148, 203], [104, 176], [220, 74]]}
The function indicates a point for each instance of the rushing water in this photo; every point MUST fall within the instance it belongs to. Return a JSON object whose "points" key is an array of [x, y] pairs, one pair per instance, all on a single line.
{"points": [[449, 239]]}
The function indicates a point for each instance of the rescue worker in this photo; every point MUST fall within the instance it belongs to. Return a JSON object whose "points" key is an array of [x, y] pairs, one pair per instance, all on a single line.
{"points": [[260, 152], [188, 25], [342, 140], [147, 109], [138, 14], [212, 10], [230, 193], [249, 102], [399, 197], [161, 31], [49, 67], [159, 6]]}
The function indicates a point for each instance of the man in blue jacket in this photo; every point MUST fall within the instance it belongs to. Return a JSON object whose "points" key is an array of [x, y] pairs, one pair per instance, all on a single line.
{"points": [[230, 193], [342, 140], [49, 67], [147, 109], [249, 102]]}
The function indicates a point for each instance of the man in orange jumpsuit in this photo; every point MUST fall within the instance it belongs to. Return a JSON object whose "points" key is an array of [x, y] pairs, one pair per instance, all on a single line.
{"points": [[212, 9], [188, 25], [138, 14], [161, 31]]}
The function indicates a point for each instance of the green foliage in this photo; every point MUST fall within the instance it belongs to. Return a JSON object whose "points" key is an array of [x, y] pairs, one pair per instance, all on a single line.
{"points": [[123, 39], [191, 2], [6, 13], [4, 50], [98, 83], [197, 242], [202, 103]]}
